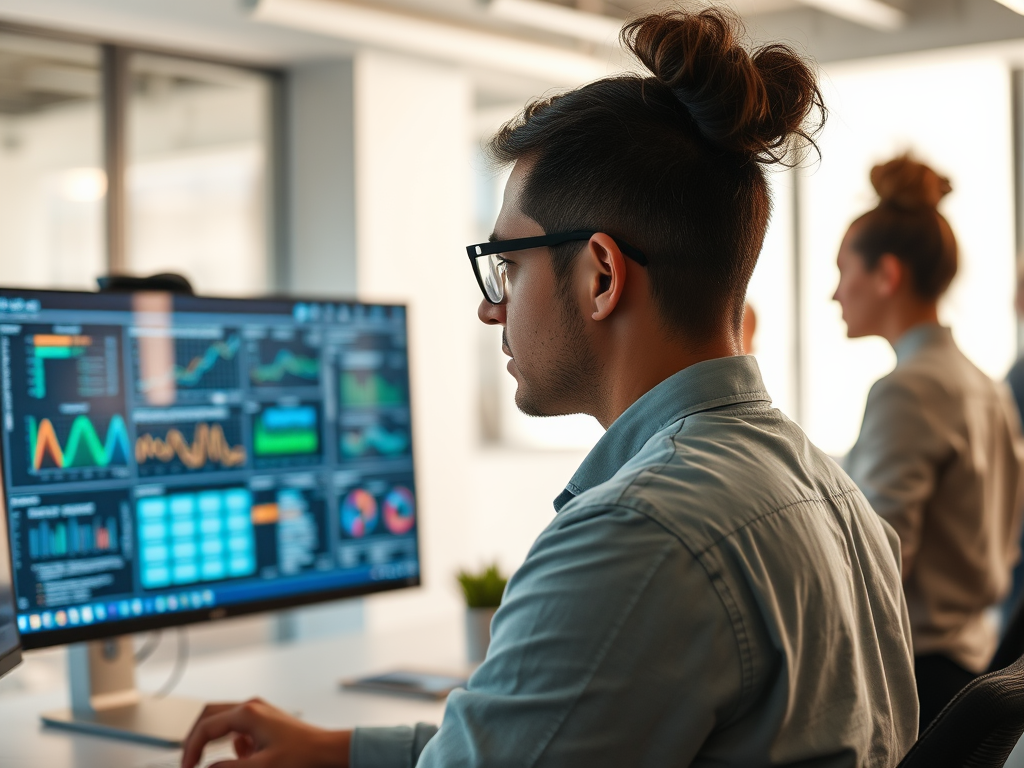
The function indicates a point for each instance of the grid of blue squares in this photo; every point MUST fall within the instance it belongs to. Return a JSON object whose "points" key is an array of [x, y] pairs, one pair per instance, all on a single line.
{"points": [[191, 537]]}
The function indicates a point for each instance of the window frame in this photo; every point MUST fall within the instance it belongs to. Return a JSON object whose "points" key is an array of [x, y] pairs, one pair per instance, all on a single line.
{"points": [[115, 60]]}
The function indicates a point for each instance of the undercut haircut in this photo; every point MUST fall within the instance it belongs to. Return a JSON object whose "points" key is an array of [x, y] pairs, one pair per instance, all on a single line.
{"points": [[672, 163]]}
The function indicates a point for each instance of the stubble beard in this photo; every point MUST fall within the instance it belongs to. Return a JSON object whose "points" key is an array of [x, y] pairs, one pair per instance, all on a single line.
{"points": [[572, 383]]}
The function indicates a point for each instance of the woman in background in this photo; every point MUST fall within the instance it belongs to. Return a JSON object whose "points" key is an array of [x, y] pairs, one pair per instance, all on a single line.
{"points": [[939, 453]]}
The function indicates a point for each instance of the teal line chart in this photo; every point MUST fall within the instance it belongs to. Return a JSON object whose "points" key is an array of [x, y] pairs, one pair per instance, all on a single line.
{"points": [[286, 363], [191, 375]]}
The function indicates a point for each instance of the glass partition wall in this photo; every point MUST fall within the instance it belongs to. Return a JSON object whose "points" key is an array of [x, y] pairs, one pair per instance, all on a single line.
{"points": [[52, 176], [120, 160]]}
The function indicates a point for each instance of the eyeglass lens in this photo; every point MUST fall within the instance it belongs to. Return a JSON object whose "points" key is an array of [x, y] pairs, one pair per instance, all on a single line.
{"points": [[492, 275]]}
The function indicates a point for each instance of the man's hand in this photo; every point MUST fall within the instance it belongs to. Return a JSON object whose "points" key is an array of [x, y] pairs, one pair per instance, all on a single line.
{"points": [[266, 737]]}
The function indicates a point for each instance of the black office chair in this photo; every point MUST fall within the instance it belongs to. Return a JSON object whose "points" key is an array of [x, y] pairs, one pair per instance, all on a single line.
{"points": [[1011, 647], [978, 728]]}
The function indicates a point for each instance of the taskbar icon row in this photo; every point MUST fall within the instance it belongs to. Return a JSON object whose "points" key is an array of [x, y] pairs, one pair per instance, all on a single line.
{"points": [[117, 610]]}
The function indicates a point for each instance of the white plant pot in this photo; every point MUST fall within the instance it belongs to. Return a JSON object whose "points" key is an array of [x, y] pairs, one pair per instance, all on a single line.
{"points": [[478, 633]]}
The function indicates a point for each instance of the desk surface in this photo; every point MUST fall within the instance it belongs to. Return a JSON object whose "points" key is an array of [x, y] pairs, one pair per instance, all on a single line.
{"points": [[300, 677]]}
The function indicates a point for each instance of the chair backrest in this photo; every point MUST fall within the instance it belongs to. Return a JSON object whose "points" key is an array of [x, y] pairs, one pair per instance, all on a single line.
{"points": [[978, 728], [1011, 647]]}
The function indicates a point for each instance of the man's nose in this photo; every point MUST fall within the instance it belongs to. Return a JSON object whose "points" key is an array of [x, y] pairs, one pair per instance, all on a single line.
{"points": [[491, 314]]}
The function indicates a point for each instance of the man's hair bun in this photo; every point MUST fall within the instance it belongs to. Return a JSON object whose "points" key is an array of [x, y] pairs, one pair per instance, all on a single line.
{"points": [[909, 184], [750, 103]]}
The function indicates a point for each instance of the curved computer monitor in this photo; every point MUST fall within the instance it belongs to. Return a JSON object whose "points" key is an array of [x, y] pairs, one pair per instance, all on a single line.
{"points": [[169, 459]]}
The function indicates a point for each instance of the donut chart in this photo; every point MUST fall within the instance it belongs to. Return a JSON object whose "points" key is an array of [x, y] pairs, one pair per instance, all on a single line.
{"points": [[359, 513], [399, 510]]}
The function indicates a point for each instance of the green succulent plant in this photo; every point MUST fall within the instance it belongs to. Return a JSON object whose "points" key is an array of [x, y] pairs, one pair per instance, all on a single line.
{"points": [[484, 589]]}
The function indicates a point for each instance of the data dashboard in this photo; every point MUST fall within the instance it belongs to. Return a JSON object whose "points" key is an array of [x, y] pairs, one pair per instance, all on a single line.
{"points": [[168, 458]]}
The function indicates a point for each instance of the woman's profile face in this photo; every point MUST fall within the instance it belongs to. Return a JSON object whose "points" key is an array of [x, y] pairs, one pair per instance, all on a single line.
{"points": [[857, 292]]}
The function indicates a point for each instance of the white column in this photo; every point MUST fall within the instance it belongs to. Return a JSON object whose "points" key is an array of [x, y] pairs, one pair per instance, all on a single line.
{"points": [[413, 220]]}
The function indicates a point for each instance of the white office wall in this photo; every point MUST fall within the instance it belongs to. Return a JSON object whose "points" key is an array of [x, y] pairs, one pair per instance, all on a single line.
{"points": [[772, 294], [321, 257], [413, 215], [952, 110]]}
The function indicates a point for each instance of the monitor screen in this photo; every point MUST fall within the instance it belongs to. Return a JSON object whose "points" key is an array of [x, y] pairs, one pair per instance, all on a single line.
{"points": [[170, 459]]}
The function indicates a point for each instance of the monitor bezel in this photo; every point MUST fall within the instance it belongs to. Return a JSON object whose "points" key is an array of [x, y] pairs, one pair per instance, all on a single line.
{"points": [[151, 622]]}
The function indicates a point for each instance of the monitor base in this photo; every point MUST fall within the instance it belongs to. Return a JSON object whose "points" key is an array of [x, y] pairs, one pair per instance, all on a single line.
{"points": [[159, 722]]}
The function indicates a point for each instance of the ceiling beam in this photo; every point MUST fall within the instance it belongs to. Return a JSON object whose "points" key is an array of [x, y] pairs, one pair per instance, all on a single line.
{"points": [[870, 13], [582, 25], [434, 39]]}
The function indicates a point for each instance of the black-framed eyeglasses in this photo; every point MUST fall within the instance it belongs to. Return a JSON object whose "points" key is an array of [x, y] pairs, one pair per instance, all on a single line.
{"points": [[489, 266]]}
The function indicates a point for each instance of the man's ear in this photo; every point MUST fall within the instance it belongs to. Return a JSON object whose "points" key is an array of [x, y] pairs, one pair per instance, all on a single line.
{"points": [[606, 275], [890, 274]]}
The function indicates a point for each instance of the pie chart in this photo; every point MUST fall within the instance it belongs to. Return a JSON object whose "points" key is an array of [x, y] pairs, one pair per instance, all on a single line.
{"points": [[399, 510], [358, 513]]}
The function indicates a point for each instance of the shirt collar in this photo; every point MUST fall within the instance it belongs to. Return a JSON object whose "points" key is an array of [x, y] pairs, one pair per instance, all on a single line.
{"points": [[700, 387], [919, 337]]}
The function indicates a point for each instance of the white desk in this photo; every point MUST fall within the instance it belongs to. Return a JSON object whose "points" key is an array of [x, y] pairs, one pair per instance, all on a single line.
{"points": [[300, 677]]}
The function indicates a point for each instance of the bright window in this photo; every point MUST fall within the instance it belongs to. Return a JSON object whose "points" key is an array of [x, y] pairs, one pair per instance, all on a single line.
{"points": [[52, 182], [198, 148], [953, 112]]}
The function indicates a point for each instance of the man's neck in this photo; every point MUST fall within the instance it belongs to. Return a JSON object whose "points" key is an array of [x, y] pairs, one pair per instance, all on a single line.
{"points": [[640, 367]]}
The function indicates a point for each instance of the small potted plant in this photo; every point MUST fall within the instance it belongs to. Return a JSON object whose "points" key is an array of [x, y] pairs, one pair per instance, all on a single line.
{"points": [[483, 592]]}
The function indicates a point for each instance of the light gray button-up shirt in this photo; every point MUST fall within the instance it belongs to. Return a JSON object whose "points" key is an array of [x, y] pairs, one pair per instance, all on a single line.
{"points": [[714, 590], [938, 457]]}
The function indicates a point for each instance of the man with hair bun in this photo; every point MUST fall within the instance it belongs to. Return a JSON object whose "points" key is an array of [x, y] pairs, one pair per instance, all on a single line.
{"points": [[939, 450], [713, 590]]}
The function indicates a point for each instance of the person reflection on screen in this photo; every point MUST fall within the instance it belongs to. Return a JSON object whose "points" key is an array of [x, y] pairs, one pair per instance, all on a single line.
{"points": [[938, 454], [713, 589]]}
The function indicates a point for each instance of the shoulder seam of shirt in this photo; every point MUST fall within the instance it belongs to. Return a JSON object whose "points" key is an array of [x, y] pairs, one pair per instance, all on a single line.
{"points": [[604, 649], [799, 502]]}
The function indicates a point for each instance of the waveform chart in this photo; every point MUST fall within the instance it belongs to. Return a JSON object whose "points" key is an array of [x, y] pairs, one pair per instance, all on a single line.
{"points": [[399, 510], [189, 446], [283, 363], [63, 448], [286, 435], [359, 513]]}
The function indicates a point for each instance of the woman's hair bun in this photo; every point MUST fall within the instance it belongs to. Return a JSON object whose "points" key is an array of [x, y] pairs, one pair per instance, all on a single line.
{"points": [[751, 103], [909, 184]]}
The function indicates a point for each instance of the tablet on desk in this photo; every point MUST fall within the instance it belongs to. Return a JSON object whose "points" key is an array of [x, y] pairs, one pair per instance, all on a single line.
{"points": [[422, 685]]}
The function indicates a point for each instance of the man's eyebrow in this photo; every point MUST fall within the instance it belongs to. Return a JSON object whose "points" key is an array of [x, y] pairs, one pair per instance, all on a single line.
{"points": [[493, 237]]}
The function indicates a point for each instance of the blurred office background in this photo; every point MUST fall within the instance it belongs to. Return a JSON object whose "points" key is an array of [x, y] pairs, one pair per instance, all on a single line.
{"points": [[333, 148]]}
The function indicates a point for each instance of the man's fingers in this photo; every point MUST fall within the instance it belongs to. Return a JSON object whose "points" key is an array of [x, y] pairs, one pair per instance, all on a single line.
{"points": [[216, 721], [243, 745]]}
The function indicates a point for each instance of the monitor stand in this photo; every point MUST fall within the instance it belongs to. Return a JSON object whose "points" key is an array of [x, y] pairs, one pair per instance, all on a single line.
{"points": [[105, 701]]}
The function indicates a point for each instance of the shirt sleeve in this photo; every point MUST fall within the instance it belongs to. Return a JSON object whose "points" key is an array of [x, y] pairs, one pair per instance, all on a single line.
{"points": [[611, 638], [397, 747], [896, 458]]}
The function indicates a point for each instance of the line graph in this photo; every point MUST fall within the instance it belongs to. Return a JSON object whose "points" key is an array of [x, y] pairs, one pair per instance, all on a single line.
{"points": [[209, 445], [83, 447], [209, 366], [373, 440], [286, 363]]}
